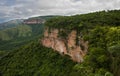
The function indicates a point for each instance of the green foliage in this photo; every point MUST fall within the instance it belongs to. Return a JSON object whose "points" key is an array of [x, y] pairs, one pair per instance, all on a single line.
{"points": [[3, 53], [104, 49], [35, 60], [17, 36], [102, 31], [10, 24], [63, 34], [113, 36], [115, 55], [104, 18], [20, 31]]}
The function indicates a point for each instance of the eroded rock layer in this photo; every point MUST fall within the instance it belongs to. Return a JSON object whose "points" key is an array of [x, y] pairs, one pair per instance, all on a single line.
{"points": [[66, 45]]}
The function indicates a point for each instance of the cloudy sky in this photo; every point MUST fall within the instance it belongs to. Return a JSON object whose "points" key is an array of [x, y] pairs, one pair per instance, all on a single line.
{"points": [[16, 9]]}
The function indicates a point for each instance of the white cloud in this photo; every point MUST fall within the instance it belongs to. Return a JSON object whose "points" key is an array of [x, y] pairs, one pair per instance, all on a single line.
{"points": [[28, 8]]}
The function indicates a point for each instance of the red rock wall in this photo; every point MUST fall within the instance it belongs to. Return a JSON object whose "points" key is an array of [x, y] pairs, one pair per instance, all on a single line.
{"points": [[63, 46], [34, 21]]}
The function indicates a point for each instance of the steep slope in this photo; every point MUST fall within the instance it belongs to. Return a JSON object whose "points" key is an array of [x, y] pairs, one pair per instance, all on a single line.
{"points": [[17, 32], [67, 44], [67, 34], [14, 37], [35, 60], [101, 31], [11, 33]]}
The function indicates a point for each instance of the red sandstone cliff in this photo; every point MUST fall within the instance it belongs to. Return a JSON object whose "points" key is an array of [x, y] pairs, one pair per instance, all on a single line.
{"points": [[65, 46], [34, 21]]}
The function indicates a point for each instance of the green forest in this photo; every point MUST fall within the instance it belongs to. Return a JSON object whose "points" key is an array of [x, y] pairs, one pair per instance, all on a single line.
{"points": [[34, 59], [100, 29], [17, 36], [15, 33]]}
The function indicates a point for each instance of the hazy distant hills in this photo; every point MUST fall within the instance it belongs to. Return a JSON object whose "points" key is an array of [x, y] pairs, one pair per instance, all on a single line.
{"points": [[17, 22], [19, 35], [11, 24], [15, 33], [22, 27]]}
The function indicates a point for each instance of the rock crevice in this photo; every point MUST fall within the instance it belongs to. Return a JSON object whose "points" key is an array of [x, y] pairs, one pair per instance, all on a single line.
{"points": [[65, 46]]}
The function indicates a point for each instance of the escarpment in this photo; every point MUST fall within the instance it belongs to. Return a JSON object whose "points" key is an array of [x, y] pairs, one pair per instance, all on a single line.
{"points": [[66, 43]]}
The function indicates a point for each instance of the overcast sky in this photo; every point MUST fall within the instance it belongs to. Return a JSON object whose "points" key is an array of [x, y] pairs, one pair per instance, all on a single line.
{"points": [[15, 9]]}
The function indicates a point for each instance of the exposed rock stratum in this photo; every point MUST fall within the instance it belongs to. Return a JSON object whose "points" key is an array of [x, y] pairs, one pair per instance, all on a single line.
{"points": [[67, 45]]}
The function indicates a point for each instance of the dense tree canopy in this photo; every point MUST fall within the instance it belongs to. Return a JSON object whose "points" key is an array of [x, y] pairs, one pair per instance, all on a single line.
{"points": [[100, 29], [35, 60]]}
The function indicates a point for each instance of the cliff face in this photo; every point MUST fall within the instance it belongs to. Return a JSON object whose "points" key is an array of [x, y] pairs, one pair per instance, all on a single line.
{"points": [[67, 45], [34, 21]]}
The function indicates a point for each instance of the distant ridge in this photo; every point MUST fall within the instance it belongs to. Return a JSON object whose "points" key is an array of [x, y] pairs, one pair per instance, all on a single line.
{"points": [[11, 24]]}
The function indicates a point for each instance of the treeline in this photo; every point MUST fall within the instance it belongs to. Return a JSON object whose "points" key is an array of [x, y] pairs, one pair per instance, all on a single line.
{"points": [[103, 18], [102, 31]]}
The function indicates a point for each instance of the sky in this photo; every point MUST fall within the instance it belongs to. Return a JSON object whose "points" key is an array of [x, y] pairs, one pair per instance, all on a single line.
{"points": [[19, 9]]}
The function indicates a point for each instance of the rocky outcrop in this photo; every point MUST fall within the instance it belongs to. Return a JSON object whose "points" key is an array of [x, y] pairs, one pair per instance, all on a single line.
{"points": [[67, 46], [34, 21]]}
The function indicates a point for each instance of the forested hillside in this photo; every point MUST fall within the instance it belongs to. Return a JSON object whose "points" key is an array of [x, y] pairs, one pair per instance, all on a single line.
{"points": [[10, 24], [100, 29], [102, 18], [17, 36], [15, 33], [35, 60]]}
